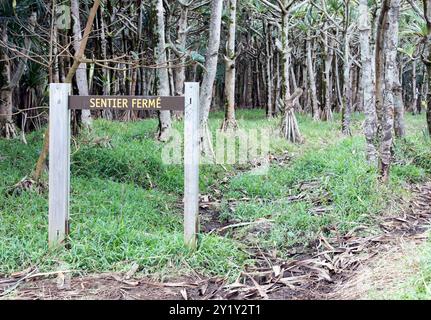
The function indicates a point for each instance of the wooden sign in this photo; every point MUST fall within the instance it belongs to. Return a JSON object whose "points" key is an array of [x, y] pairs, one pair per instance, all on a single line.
{"points": [[126, 103], [59, 148]]}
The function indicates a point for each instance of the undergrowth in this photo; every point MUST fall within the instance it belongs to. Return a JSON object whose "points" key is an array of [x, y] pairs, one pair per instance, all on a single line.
{"points": [[126, 205]]}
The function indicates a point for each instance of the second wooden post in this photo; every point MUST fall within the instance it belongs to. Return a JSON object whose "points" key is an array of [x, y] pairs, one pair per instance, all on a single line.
{"points": [[59, 162], [191, 164]]}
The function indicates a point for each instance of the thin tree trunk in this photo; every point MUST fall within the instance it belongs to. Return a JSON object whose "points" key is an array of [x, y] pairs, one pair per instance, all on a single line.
{"points": [[329, 56], [81, 72], [211, 59], [295, 86], [249, 87], [304, 97], [312, 79], [414, 105], [347, 84], [370, 126], [338, 85], [380, 64], [399, 122], [180, 71], [230, 58], [390, 76], [289, 126], [258, 101], [209, 77], [423, 90], [355, 88], [277, 91], [54, 75], [347, 89], [107, 114], [165, 122], [269, 69], [7, 127], [427, 13]]}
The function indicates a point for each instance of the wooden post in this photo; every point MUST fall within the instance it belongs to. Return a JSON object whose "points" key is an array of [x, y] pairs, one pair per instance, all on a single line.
{"points": [[191, 163], [59, 162]]}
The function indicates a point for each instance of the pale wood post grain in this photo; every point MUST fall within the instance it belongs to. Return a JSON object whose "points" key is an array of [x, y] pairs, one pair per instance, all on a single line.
{"points": [[59, 162], [191, 164]]}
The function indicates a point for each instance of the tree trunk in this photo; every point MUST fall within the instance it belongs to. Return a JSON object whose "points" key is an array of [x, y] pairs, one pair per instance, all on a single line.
{"points": [[295, 86], [427, 12], [312, 79], [165, 122], [209, 77], [289, 126], [329, 57], [347, 89], [258, 101], [7, 127], [107, 114], [277, 91], [338, 85], [414, 105], [370, 126], [304, 97], [390, 78], [211, 60], [249, 87], [54, 75], [180, 71], [422, 97], [81, 72], [380, 64], [230, 58], [399, 123]]}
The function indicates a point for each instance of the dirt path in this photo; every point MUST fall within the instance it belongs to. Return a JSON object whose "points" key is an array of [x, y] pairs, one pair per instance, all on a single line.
{"points": [[385, 275], [354, 267], [347, 267]]}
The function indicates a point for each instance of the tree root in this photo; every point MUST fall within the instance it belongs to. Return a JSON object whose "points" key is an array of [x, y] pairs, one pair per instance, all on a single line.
{"points": [[290, 129], [289, 125], [9, 130], [27, 184], [327, 114], [229, 124]]}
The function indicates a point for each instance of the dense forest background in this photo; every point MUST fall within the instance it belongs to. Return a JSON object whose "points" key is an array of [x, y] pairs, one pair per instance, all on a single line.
{"points": [[312, 57]]}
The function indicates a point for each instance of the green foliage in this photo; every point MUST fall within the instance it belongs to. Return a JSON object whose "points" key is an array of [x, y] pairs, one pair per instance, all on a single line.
{"points": [[113, 225], [418, 287], [126, 206], [414, 152], [345, 182], [412, 280], [412, 25], [196, 56]]}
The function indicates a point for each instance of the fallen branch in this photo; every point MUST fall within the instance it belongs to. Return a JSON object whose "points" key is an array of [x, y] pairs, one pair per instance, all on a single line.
{"points": [[242, 224]]}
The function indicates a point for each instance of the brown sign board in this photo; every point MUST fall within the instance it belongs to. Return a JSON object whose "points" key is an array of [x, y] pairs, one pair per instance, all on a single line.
{"points": [[126, 103]]}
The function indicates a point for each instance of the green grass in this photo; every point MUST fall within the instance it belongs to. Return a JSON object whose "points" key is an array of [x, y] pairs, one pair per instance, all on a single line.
{"points": [[409, 276], [418, 287], [126, 204], [337, 164]]}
